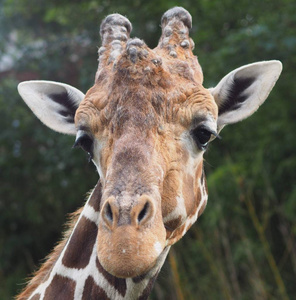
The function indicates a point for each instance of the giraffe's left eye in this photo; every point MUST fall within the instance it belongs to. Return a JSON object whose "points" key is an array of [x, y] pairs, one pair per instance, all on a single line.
{"points": [[202, 135], [84, 141]]}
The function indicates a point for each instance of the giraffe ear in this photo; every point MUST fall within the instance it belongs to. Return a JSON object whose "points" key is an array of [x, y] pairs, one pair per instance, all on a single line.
{"points": [[53, 103], [240, 93]]}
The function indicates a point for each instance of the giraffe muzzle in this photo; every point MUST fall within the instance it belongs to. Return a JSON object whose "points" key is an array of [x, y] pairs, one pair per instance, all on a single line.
{"points": [[131, 236]]}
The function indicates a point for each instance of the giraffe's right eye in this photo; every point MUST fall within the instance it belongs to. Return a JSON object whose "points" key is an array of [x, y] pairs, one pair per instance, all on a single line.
{"points": [[84, 141], [202, 135]]}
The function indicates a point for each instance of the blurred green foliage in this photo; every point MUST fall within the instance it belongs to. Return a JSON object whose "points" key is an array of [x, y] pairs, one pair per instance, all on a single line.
{"points": [[243, 247]]}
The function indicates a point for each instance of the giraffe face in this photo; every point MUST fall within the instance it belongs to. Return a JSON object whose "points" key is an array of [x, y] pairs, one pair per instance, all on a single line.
{"points": [[151, 169], [146, 123], [146, 128]]}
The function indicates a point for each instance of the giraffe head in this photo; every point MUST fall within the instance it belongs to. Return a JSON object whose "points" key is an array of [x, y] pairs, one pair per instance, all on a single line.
{"points": [[146, 124]]}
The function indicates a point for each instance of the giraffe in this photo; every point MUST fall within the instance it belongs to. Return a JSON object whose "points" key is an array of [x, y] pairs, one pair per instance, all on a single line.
{"points": [[145, 124]]}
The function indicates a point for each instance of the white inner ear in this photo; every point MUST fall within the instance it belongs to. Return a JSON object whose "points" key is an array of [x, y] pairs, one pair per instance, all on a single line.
{"points": [[240, 93], [53, 103]]}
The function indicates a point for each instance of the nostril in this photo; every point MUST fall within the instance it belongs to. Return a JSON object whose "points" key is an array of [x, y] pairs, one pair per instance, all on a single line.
{"points": [[143, 212], [108, 212]]}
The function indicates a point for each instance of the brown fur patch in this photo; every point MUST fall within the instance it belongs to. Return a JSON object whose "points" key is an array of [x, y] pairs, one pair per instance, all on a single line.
{"points": [[60, 288], [118, 283], [188, 193], [92, 291], [36, 297], [176, 235], [95, 200], [139, 278], [81, 245], [172, 225], [169, 194]]}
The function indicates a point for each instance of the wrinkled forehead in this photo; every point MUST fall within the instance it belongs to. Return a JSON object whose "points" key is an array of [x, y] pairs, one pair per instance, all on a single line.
{"points": [[143, 86], [143, 105]]}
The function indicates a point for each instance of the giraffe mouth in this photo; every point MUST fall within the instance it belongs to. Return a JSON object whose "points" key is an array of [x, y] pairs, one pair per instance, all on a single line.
{"points": [[128, 252]]}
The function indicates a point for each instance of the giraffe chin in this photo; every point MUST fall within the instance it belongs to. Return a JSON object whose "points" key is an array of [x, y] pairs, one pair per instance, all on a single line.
{"points": [[127, 252]]}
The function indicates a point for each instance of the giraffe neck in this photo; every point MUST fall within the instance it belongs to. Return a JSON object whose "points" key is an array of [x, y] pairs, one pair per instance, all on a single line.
{"points": [[76, 272]]}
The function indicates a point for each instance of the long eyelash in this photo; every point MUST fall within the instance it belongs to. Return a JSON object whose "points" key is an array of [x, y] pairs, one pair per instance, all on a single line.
{"points": [[215, 134]]}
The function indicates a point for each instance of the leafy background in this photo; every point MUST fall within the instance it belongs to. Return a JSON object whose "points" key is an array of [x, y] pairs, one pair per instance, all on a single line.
{"points": [[243, 247]]}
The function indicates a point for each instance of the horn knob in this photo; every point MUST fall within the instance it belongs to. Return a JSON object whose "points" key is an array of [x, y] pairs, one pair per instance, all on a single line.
{"points": [[180, 14], [176, 24], [115, 31], [115, 27], [176, 45]]}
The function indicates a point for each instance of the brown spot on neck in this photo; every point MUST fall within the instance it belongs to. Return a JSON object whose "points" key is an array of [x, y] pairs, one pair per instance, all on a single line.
{"points": [[92, 291], [139, 278], [60, 288], [96, 196], [118, 283], [81, 244]]}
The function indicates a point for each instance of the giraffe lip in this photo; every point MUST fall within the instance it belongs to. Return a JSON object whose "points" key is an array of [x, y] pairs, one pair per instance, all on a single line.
{"points": [[128, 252]]}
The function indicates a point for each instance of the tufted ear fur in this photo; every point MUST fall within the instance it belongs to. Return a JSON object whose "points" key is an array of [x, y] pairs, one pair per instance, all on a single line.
{"points": [[240, 93], [53, 103]]}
